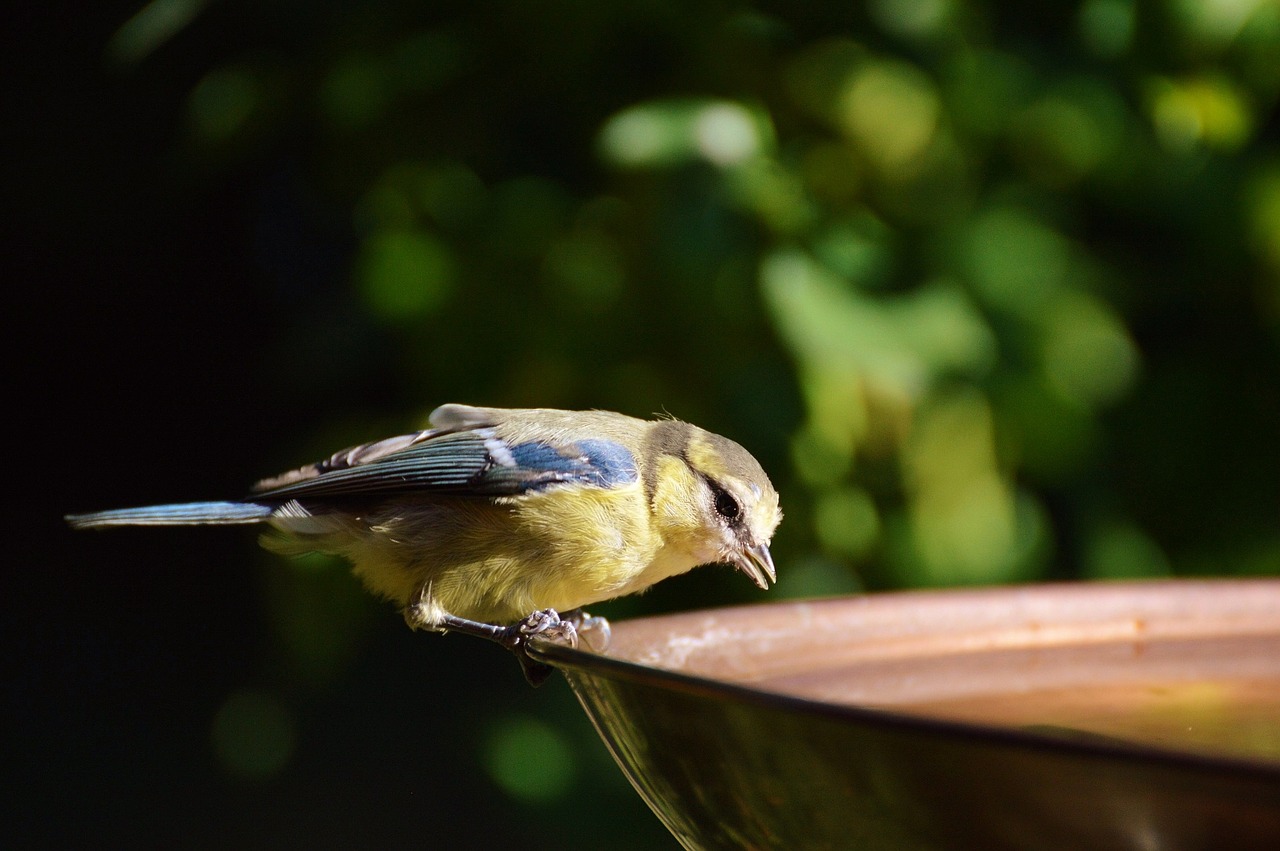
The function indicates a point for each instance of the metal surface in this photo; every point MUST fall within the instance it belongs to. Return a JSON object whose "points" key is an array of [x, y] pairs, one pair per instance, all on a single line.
{"points": [[1141, 715]]}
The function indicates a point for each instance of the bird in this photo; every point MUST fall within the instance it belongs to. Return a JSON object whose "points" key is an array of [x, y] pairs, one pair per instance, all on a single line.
{"points": [[494, 521]]}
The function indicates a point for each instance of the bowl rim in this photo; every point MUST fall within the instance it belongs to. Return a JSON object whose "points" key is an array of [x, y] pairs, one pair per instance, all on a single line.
{"points": [[578, 661]]}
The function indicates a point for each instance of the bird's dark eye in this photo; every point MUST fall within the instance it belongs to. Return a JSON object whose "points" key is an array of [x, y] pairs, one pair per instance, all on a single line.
{"points": [[727, 506]]}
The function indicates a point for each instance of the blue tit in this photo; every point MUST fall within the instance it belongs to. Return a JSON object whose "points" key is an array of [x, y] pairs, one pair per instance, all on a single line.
{"points": [[491, 514]]}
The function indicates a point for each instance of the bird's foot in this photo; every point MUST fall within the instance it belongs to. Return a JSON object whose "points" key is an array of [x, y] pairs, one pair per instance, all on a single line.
{"points": [[423, 613], [548, 624], [592, 629]]}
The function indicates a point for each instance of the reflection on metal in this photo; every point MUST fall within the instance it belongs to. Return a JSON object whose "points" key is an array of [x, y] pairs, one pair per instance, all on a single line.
{"points": [[1140, 715]]}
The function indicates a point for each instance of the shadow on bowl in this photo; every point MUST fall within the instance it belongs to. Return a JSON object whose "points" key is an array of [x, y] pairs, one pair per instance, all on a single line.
{"points": [[1126, 715]]}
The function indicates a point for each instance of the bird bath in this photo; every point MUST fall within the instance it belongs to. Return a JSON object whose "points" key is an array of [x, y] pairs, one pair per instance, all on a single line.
{"points": [[1121, 715]]}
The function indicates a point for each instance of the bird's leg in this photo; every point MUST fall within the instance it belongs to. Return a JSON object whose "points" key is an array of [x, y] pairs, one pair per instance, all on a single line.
{"points": [[422, 614], [592, 628], [515, 638]]}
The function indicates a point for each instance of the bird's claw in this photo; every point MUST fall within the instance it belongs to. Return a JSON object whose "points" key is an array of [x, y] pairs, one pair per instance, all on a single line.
{"points": [[569, 628], [594, 630], [561, 629], [548, 624]]}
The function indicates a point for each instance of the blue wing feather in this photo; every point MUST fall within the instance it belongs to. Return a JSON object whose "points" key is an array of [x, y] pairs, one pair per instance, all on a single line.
{"points": [[608, 464], [466, 463], [182, 514]]}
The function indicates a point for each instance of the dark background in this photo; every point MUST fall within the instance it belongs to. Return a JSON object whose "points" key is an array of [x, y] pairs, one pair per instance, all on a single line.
{"points": [[993, 292]]}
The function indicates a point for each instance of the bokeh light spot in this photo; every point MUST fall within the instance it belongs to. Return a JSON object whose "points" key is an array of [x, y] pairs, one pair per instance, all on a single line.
{"points": [[150, 27], [404, 274], [1106, 26], [1089, 357], [253, 734], [916, 18], [726, 134], [1060, 141], [355, 92], [529, 760], [1207, 111], [667, 132], [823, 458], [816, 576], [223, 102], [1015, 261], [1122, 551], [636, 137], [962, 511], [1215, 22], [847, 521], [891, 110], [843, 336], [1265, 216]]}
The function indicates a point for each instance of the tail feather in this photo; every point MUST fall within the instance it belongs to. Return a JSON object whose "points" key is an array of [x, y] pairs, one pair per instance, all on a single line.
{"points": [[181, 514]]}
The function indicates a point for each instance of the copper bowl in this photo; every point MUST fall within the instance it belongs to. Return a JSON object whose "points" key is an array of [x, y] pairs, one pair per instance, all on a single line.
{"points": [[1136, 715]]}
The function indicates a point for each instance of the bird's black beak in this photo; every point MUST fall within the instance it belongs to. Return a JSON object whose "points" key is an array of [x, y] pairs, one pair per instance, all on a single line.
{"points": [[757, 564]]}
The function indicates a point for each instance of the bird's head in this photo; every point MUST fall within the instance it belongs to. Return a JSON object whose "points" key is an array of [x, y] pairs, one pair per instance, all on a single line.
{"points": [[735, 503]]}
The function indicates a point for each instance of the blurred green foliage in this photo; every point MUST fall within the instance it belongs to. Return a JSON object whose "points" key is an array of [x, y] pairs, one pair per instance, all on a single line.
{"points": [[931, 259], [992, 289]]}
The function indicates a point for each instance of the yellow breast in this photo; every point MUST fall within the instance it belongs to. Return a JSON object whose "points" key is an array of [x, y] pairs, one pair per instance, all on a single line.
{"points": [[497, 562]]}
